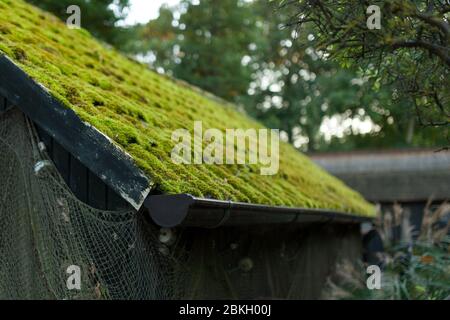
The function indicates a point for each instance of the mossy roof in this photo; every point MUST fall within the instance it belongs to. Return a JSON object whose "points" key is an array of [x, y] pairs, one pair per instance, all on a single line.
{"points": [[139, 109]]}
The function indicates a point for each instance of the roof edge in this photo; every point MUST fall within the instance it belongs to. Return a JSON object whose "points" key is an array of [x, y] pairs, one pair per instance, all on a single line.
{"points": [[170, 211], [91, 147]]}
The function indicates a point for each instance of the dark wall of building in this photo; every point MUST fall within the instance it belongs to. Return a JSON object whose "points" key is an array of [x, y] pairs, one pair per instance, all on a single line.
{"points": [[274, 262], [85, 185]]}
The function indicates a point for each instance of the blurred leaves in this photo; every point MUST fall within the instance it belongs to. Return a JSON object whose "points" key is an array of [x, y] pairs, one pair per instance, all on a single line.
{"points": [[300, 66], [245, 53], [413, 269], [411, 52], [100, 17]]}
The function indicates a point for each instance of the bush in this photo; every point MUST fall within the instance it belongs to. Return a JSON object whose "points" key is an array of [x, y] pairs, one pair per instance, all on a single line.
{"points": [[411, 269]]}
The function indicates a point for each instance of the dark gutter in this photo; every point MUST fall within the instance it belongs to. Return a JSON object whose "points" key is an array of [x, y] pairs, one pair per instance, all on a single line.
{"points": [[185, 210]]}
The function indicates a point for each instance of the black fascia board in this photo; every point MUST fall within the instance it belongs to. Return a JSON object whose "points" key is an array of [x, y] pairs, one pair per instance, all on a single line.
{"points": [[92, 148], [170, 211]]}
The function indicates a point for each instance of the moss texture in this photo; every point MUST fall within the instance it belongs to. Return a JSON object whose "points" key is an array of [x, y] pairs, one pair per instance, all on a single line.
{"points": [[139, 109]]}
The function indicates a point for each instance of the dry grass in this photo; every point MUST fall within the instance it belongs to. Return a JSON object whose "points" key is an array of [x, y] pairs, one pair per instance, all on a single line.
{"points": [[412, 269]]}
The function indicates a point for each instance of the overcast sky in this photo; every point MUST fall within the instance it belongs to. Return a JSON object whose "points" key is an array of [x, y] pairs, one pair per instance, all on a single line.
{"points": [[142, 11]]}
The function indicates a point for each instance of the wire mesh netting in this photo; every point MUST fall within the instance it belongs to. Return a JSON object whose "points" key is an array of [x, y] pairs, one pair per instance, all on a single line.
{"points": [[44, 230]]}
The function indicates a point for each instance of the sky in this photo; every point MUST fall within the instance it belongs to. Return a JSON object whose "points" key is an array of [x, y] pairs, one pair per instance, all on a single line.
{"points": [[141, 11]]}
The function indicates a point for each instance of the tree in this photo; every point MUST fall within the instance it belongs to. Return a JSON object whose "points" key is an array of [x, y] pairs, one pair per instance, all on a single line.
{"points": [[277, 75], [157, 42], [306, 89], [215, 36], [410, 53], [100, 17], [204, 46]]}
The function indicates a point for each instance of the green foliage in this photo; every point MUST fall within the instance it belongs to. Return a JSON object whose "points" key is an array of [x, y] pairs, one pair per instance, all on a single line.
{"points": [[413, 269], [99, 17], [215, 37], [139, 110], [422, 275], [308, 86], [411, 52], [158, 39], [205, 45], [249, 57]]}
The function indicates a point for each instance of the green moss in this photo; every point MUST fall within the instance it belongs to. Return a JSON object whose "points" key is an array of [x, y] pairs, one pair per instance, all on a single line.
{"points": [[139, 110]]}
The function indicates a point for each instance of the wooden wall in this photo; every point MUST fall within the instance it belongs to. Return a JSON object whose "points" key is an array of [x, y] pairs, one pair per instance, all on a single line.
{"points": [[85, 185], [267, 262]]}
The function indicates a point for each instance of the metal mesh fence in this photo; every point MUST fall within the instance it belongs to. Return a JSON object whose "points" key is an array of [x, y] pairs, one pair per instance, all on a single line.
{"points": [[44, 229]]}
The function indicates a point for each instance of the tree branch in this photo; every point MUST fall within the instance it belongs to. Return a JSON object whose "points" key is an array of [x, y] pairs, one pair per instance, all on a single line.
{"points": [[432, 48]]}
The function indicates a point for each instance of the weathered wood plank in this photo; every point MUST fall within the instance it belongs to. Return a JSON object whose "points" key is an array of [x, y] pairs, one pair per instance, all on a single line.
{"points": [[2, 104], [79, 180], [77, 177], [61, 158], [114, 201], [5, 105], [91, 147], [46, 139], [97, 192]]}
